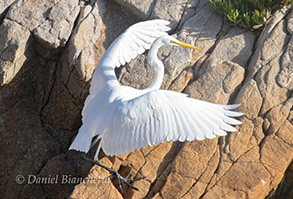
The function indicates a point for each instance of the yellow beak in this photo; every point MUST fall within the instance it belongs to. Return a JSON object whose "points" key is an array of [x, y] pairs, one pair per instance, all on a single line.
{"points": [[180, 43]]}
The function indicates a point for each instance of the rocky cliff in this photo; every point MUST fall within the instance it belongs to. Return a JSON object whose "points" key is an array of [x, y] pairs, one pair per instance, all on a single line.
{"points": [[48, 52]]}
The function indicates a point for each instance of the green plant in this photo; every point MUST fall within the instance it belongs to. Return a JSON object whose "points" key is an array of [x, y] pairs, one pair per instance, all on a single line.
{"points": [[250, 14]]}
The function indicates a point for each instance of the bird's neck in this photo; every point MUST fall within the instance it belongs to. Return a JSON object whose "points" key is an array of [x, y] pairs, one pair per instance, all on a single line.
{"points": [[158, 67]]}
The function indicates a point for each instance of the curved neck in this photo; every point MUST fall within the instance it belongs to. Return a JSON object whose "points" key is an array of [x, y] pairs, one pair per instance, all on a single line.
{"points": [[158, 67]]}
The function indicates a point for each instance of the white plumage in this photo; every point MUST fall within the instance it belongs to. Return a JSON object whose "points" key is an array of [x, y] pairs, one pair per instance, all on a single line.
{"points": [[127, 119]]}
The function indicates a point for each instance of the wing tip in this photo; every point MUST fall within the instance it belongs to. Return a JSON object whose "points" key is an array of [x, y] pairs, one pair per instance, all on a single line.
{"points": [[231, 106]]}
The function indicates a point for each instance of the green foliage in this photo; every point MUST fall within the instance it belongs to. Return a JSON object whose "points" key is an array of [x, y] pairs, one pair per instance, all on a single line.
{"points": [[250, 14]]}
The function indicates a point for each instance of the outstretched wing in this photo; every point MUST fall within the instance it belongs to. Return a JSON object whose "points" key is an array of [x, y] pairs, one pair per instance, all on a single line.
{"points": [[162, 115], [135, 40]]}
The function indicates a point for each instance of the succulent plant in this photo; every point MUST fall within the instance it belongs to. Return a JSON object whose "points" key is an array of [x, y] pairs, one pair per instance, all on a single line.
{"points": [[250, 14]]}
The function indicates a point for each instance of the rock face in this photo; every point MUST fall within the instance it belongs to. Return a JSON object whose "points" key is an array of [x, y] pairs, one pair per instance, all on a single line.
{"points": [[48, 52]]}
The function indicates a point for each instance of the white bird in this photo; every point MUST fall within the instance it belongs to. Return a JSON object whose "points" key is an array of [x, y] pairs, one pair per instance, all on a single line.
{"points": [[124, 118]]}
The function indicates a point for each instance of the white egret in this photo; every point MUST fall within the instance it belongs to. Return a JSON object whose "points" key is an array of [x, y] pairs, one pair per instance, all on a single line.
{"points": [[125, 119]]}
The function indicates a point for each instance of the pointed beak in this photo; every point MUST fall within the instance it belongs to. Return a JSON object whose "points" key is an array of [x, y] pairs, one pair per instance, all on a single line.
{"points": [[180, 43]]}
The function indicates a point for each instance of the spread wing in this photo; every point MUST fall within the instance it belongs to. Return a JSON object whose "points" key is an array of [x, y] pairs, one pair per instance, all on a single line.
{"points": [[135, 40], [162, 115]]}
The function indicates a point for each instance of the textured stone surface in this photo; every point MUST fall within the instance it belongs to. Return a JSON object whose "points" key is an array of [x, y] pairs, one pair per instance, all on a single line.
{"points": [[30, 14], [56, 29], [4, 5], [236, 46], [14, 40], [285, 76], [48, 54], [250, 99], [94, 185], [172, 10], [217, 82]]}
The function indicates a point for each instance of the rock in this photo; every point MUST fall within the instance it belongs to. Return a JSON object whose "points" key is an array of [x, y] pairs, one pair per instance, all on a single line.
{"points": [[30, 14], [270, 91], [56, 29], [238, 142], [95, 186], [180, 58], [277, 17], [220, 192], [13, 50], [257, 135], [200, 152], [276, 155], [4, 5], [217, 83], [174, 188], [142, 9], [80, 56], [277, 116], [269, 49], [250, 99], [189, 10], [156, 161], [138, 73], [235, 46], [285, 132], [285, 189], [61, 175], [290, 25], [170, 10], [285, 76], [256, 183], [26, 151], [181, 81]]}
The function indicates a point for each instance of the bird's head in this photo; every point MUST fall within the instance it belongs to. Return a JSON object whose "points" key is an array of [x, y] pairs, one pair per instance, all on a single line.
{"points": [[169, 40]]}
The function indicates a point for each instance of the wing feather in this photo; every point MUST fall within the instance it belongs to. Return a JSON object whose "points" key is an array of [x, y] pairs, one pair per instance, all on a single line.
{"points": [[136, 39], [162, 115]]}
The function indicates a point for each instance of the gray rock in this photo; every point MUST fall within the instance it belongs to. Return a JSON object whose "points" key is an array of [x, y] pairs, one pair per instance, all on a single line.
{"points": [[171, 10], [269, 89], [139, 7], [217, 83], [189, 11], [81, 51], [4, 5], [14, 41], [272, 46], [182, 80], [55, 30], [200, 30], [30, 14], [138, 73], [278, 16], [235, 46], [290, 24], [174, 11], [285, 77]]}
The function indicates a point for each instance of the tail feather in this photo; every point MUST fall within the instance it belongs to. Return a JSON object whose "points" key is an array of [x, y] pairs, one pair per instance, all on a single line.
{"points": [[82, 142]]}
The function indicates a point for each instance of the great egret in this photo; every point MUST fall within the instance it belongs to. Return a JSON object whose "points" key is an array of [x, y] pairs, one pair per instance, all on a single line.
{"points": [[125, 119]]}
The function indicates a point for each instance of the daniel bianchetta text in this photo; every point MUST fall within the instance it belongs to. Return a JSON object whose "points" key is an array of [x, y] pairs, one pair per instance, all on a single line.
{"points": [[58, 179]]}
